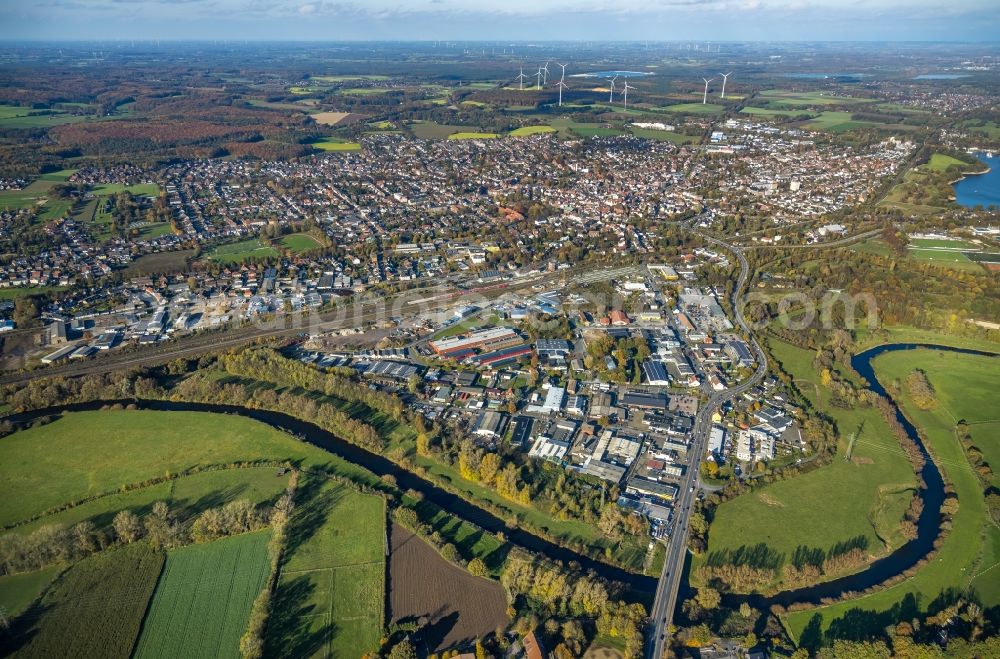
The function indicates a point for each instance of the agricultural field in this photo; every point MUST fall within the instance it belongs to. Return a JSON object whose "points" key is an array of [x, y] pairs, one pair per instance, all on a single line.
{"points": [[162, 262], [695, 108], [772, 112], [800, 511], [95, 609], [964, 386], [779, 97], [330, 118], [13, 116], [430, 130], [203, 599], [473, 136], [459, 607], [836, 122], [524, 131], [331, 594], [664, 135], [990, 129], [128, 446]]}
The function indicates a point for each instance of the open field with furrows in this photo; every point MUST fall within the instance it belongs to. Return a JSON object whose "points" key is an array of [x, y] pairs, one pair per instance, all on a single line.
{"points": [[94, 609], [203, 598], [967, 562], [331, 594], [125, 447], [459, 607], [162, 262], [770, 523]]}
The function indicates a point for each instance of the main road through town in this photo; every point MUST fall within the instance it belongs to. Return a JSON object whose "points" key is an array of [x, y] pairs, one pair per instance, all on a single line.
{"points": [[670, 578]]}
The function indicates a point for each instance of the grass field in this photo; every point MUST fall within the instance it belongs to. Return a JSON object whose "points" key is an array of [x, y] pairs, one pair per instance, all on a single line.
{"points": [[242, 251], [695, 108], [139, 189], [793, 99], [940, 162], [187, 496], [129, 446], [473, 136], [95, 609], [773, 112], [970, 556], [836, 122], [333, 146], [299, 242], [37, 194], [17, 591], [663, 135], [14, 292], [330, 597], [801, 510], [989, 128], [13, 116], [203, 599], [524, 131]]}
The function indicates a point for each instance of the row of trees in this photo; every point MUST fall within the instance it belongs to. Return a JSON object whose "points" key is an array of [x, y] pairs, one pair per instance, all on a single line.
{"points": [[54, 544]]}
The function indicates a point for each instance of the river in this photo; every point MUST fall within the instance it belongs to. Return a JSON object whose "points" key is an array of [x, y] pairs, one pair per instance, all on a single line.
{"points": [[980, 189], [881, 570], [910, 553]]}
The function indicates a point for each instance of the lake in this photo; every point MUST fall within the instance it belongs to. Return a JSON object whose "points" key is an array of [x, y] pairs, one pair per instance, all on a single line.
{"points": [[611, 74], [980, 189]]}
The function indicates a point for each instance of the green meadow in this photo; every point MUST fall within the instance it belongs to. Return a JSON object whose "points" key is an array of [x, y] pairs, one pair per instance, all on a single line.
{"points": [[965, 387], [806, 510]]}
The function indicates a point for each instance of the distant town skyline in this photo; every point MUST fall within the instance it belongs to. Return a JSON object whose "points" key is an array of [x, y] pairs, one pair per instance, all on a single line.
{"points": [[285, 20]]}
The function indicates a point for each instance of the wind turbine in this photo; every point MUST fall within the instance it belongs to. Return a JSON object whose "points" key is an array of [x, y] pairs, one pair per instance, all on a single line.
{"points": [[562, 85], [725, 76], [520, 80], [611, 96], [538, 78], [545, 72], [704, 99], [625, 93]]}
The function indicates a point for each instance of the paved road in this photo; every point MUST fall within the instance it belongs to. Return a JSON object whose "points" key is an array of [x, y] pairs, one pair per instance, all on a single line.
{"points": [[665, 602]]}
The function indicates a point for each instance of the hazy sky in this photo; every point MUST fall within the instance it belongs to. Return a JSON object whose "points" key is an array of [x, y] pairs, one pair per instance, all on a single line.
{"points": [[741, 20]]}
